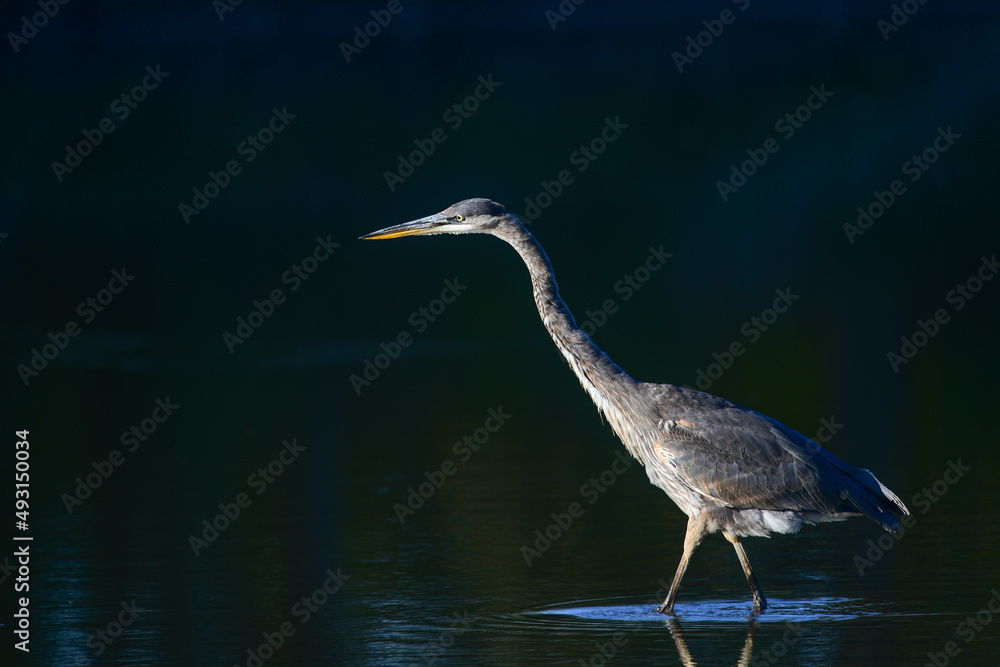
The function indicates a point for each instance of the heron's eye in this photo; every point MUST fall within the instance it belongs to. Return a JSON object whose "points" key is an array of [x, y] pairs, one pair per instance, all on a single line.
{"points": [[459, 218]]}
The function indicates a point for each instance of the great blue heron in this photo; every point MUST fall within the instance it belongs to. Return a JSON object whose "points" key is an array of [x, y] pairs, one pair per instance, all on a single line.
{"points": [[728, 468]]}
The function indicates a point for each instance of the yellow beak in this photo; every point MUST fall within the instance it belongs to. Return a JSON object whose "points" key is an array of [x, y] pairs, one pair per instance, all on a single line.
{"points": [[426, 225]]}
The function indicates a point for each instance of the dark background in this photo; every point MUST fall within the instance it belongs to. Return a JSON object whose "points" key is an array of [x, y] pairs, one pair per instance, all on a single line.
{"points": [[656, 184]]}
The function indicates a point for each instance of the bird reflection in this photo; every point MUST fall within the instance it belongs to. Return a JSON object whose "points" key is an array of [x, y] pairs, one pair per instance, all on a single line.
{"points": [[677, 632]]}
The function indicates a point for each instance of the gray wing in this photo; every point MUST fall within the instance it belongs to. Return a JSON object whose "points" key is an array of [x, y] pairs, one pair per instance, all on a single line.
{"points": [[745, 460]]}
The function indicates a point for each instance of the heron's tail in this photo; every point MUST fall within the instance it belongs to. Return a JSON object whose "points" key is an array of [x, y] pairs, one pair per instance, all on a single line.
{"points": [[875, 500]]}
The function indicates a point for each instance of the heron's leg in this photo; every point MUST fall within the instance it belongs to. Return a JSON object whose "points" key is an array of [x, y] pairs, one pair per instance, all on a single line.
{"points": [[697, 529], [759, 601]]}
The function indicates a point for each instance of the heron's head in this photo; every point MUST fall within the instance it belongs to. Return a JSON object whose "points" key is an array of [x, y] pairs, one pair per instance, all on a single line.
{"points": [[472, 216]]}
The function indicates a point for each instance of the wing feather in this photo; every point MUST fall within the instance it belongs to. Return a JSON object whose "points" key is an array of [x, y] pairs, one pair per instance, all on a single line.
{"points": [[746, 460]]}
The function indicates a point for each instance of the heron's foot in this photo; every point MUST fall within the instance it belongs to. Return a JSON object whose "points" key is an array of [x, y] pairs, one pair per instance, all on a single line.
{"points": [[666, 608]]}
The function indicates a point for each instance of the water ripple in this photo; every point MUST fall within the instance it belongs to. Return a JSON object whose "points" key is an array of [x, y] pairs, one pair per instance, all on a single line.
{"points": [[720, 611]]}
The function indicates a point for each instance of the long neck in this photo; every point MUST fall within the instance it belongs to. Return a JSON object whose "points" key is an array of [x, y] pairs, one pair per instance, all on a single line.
{"points": [[607, 384]]}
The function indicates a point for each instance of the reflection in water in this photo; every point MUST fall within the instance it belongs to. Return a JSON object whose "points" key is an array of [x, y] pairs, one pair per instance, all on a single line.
{"points": [[685, 655], [787, 621]]}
